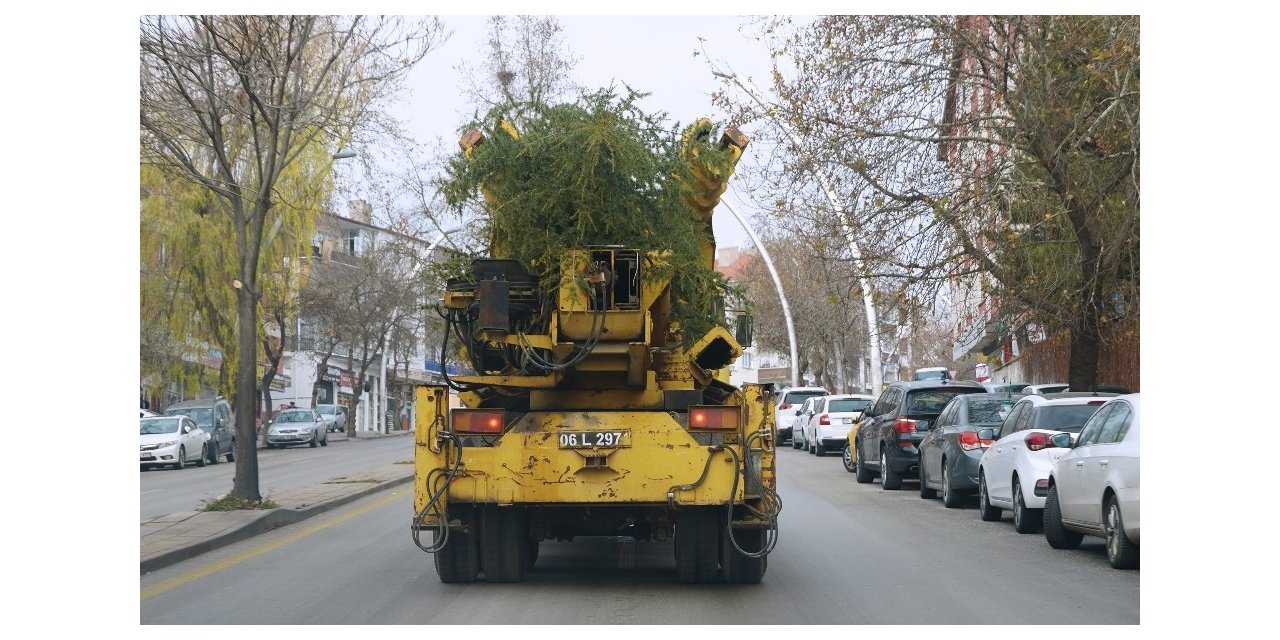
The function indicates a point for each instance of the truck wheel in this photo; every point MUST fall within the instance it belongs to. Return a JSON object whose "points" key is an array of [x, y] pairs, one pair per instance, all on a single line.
{"points": [[502, 543], [459, 560], [740, 569], [696, 544], [530, 552]]}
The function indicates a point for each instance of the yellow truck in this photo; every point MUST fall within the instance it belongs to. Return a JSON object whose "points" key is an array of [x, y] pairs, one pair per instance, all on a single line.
{"points": [[590, 414]]}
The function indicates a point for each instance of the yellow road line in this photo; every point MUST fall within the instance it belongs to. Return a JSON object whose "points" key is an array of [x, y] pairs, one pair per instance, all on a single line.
{"points": [[231, 561]]}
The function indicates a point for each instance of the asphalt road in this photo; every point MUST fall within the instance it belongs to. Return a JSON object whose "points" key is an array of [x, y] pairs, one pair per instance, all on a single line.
{"points": [[848, 554], [166, 490]]}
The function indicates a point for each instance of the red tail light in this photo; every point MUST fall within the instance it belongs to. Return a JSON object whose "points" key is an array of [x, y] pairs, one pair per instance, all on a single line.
{"points": [[713, 418], [824, 419], [970, 441], [785, 405], [904, 426], [486, 421], [1037, 441]]}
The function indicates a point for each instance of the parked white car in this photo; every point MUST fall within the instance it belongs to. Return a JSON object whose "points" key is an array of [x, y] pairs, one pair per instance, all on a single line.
{"points": [[827, 427], [1094, 486], [785, 412], [1013, 473], [170, 441]]}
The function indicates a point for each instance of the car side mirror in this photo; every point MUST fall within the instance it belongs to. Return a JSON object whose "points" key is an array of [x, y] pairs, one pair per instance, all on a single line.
{"points": [[1061, 440], [797, 412], [986, 433]]}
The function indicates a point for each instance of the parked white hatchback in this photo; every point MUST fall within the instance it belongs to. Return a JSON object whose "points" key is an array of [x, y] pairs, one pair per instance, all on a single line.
{"points": [[786, 413], [1013, 473], [1094, 487], [170, 441], [827, 428]]}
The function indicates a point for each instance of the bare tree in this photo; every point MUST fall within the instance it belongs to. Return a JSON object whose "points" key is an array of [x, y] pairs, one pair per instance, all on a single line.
{"points": [[231, 103], [528, 65], [996, 149]]}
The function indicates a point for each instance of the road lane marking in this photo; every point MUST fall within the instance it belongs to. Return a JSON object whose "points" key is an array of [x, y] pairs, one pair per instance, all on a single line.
{"points": [[151, 491], [166, 586]]}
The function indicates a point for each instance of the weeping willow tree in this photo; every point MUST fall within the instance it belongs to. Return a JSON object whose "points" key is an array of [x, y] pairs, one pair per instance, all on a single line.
{"points": [[188, 271], [599, 171]]}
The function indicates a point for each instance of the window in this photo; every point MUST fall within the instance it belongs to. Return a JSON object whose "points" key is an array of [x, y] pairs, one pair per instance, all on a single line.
{"points": [[989, 410], [948, 416], [1006, 427], [837, 406], [1093, 428], [1115, 424], [1069, 418], [1025, 419]]}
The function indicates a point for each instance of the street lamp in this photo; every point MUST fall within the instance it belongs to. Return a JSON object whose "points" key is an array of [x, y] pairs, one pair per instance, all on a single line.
{"points": [[777, 284], [873, 332]]}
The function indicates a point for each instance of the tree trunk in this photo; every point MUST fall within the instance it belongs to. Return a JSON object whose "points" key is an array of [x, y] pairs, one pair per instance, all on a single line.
{"points": [[1086, 334], [245, 484]]}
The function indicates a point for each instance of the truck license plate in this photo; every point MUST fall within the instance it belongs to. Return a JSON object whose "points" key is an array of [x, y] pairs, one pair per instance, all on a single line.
{"points": [[591, 439]]}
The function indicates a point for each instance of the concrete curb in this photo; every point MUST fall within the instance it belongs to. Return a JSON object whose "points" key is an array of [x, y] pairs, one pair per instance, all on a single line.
{"points": [[267, 521]]}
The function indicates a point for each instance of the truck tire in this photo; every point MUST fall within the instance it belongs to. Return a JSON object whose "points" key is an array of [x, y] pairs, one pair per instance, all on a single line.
{"points": [[459, 560], [697, 539], [502, 543], [740, 569]]}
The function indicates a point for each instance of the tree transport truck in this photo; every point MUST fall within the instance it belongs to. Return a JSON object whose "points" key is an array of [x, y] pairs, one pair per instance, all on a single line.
{"points": [[591, 414]]}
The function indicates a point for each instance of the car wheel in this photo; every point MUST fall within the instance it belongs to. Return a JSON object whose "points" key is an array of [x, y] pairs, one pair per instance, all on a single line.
{"points": [[1025, 520], [1058, 536], [925, 492], [314, 443], [213, 453], [182, 458], [201, 461], [847, 458], [819, 449], [986, 511], [950, 498], [231, 453], [270, 446], [888, 479], [325, 441], [864, 474], [1122, 553]]}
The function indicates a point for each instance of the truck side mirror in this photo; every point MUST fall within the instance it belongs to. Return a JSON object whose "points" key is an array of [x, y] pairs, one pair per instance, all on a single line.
{"points": [[742, 329]]}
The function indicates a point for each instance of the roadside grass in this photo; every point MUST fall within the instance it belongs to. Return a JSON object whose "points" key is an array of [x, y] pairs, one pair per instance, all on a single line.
{"points": [[229, 503]]}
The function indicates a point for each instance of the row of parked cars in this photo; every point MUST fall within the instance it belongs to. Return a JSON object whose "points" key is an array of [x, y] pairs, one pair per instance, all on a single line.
{"points": [[1066, 464], [203, 432]]}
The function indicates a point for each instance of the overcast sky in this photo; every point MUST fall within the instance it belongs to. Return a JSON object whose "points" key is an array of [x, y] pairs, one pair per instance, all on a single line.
{"points": [[653, 54]]}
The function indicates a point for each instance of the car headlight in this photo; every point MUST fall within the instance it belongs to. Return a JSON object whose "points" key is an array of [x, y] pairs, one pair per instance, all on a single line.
{"points": [[305, 429], [170, 443]]}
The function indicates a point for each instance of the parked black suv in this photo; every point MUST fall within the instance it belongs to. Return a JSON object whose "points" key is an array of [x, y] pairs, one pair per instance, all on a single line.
{"points": [[214, 416], [888, 438]]}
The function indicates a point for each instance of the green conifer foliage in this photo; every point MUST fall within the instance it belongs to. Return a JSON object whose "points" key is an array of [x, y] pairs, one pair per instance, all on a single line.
{"points": [[596, 172]]}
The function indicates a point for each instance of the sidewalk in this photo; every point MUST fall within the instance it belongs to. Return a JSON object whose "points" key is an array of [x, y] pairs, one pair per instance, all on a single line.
{"points": [[172, 538]]}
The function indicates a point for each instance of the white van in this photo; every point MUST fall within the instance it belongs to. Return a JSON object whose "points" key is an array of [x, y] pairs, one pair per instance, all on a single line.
{"points": [[932, 373]]}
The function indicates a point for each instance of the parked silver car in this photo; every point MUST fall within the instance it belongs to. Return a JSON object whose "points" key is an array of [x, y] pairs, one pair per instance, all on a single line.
{"points": [[1094, 487], [334, 416], [297, 426]]}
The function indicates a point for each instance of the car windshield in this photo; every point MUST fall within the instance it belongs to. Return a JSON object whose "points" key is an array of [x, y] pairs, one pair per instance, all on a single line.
{"points": [[294, 416], [838, 406], [929, 401], [1067, 417], [327, 409], [202, 415], [153, 426], [990, 410], [798, 397]]}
